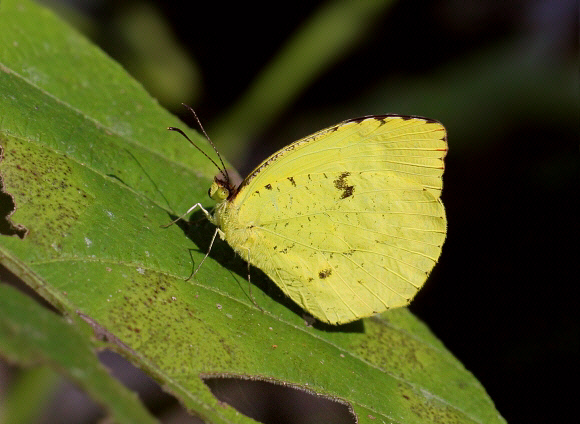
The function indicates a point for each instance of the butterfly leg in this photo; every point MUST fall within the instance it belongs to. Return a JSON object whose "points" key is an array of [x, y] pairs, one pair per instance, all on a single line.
{"points": [[217, 231], [250, 285], [197, 205]]}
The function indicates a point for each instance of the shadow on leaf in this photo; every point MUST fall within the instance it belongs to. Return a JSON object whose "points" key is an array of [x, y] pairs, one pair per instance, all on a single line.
{"points": [[200, 231]]}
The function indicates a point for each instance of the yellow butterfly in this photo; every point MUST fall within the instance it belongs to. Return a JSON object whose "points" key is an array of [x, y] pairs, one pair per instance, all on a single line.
{"points": [[348, 222]]}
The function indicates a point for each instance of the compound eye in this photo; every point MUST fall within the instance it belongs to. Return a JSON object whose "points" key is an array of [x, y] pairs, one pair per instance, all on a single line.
{"points": [[218, 191]]}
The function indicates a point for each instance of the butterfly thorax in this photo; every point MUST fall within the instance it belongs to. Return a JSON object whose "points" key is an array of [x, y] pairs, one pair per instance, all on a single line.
{"points": [[226, 217]]}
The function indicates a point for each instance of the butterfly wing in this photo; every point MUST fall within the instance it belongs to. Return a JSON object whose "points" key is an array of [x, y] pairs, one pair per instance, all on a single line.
{"points": [[347, 222]]}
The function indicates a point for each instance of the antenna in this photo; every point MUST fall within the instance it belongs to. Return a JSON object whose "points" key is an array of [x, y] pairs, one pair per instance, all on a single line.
{"points": [[223, 170]]}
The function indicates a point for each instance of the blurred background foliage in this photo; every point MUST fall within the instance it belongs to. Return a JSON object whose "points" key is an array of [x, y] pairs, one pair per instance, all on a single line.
{"points": [[501, 76]]}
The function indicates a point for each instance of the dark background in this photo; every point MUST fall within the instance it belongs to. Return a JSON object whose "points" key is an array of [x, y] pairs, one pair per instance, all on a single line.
{"points": [[501, 76]]}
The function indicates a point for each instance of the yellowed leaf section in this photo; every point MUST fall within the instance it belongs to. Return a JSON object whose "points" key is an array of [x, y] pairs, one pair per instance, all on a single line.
{"points": [[347, 222]]}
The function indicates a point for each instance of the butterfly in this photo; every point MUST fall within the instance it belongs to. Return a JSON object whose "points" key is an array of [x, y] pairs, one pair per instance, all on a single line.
{"points": [[347, 222]]}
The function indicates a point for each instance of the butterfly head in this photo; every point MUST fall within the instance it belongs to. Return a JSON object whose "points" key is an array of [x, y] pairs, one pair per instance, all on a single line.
{"points": [[220, 190]]}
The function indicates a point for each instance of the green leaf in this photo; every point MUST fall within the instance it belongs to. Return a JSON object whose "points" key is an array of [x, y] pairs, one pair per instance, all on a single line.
{"points": [[93, 175], [31, 335]]}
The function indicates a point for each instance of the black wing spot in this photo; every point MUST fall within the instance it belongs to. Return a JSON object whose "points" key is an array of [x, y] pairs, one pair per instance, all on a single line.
{"points": [[268, 186], [341, 184], [291, 179], [324, 273]]}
